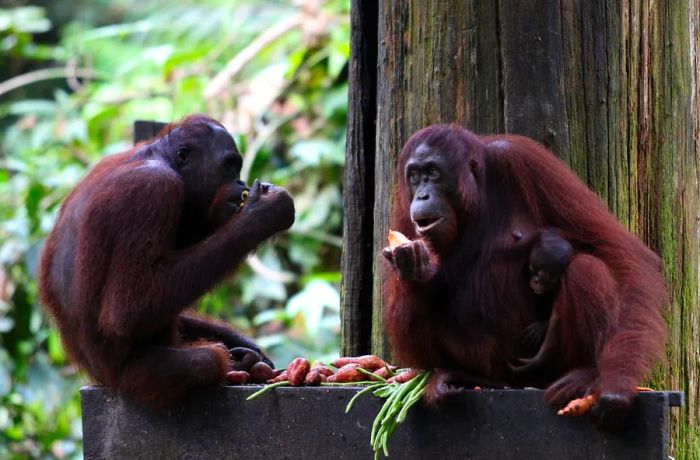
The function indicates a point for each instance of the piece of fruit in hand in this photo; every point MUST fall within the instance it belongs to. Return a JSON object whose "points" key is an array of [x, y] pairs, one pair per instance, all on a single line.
{"points": [[397, 239]]}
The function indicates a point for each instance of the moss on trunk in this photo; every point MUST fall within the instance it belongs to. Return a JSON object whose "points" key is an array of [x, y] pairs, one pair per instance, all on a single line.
{"points": [[610, 86]]}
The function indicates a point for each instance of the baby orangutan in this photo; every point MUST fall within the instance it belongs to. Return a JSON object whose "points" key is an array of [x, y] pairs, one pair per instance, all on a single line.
{"points": [[549, 257]]}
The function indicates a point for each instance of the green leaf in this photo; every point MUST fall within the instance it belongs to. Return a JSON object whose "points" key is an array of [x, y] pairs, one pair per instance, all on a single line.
{"points": [[312, 152], [6, 367], [339, 50], [311, 303], [33, 107], [30, 19], [55, 348], [34, 195]]}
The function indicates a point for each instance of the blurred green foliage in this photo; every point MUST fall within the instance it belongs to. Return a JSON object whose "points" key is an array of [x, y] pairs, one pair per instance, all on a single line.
{"points": [[73, 78]]}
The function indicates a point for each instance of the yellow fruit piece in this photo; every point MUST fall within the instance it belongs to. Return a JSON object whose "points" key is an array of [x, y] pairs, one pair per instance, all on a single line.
{"points": [[397, 239]]}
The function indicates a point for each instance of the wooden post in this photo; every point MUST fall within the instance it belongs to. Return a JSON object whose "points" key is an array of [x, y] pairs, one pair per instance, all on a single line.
{"points": [[145, 130], [611, 86], [358, 182]]}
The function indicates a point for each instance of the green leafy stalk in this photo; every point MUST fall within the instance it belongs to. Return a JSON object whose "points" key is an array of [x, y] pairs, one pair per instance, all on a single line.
{"points": [[400, 397], [360, 393], [371, 385], [388, 422], [349, 384], [415, 396], [266, 388], [371, 374]]}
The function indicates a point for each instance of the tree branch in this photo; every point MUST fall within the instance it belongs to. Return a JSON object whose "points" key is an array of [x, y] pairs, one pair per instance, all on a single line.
{"points": [[43, 74], [247, 54]]}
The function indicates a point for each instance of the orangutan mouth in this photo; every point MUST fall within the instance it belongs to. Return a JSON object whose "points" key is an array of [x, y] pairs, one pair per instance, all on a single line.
{"points": [[238, 203], [427, 224]]}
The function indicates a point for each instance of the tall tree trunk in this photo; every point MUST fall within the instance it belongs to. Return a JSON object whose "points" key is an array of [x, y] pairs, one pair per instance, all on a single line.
{"points": [[609, 86]]}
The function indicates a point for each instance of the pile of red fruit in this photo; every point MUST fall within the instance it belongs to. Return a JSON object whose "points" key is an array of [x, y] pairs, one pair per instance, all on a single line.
{"points": [[248, 367]]}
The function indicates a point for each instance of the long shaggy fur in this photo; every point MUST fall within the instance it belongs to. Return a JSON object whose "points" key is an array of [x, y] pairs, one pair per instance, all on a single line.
{"points": [[469, 316], [130, 252]]}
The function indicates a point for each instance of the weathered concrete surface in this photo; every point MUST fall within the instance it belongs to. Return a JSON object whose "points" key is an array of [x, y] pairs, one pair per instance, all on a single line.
{"points": [[306, 423]]}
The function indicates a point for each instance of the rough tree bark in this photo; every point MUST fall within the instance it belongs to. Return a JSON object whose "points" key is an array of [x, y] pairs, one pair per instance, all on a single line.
{"points": [[610, 86], [358, 182]]}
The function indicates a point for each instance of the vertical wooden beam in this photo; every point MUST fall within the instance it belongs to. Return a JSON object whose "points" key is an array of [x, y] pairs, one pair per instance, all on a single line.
{"points": [[630, 78], [532, 62], [358, 182], [672, 211], [145, 130]]}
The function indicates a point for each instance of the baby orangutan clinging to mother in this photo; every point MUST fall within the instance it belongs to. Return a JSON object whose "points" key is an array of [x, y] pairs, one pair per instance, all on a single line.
{"points": [[457, 297], [550, 254], [141, 238], [549, 257]]}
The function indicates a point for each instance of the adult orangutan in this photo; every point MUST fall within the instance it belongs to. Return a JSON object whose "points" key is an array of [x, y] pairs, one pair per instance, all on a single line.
{"points": [[457, 295], [142, 237]]}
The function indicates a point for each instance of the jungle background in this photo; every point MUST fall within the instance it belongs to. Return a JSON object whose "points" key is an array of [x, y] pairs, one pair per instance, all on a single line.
{"points": [[75, 75]]}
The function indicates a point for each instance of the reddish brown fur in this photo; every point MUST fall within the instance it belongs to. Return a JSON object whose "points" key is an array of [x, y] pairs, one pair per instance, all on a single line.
{"points": [[469, 316], [131, 251], [583, 314]]}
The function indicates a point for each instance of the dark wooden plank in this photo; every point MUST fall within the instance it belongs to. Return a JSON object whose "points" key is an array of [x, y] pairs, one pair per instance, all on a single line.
{"points": [[531, 52], [487, 116], [358, 182], [311, 423]]}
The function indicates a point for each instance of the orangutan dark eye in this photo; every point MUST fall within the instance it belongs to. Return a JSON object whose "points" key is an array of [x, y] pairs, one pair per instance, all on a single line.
{"points": [[413, 176], [181, 156], [433, 174]]}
